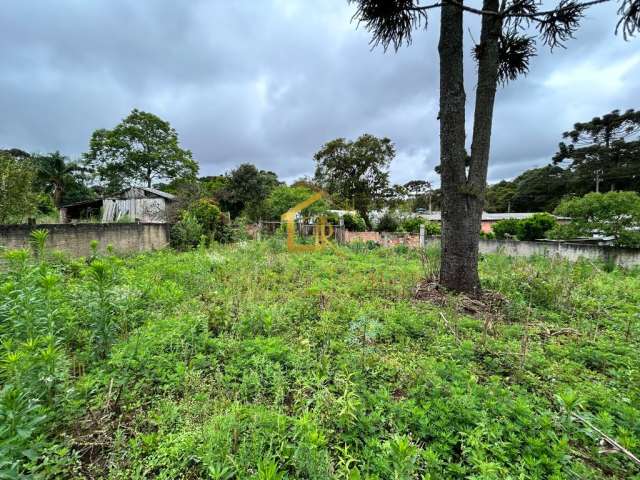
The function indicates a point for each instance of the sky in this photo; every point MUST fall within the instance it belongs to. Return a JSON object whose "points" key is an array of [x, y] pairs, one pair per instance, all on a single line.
{"points": [[269, 82]]}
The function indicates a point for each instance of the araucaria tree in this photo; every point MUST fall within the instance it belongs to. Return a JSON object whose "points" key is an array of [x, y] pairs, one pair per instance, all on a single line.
{"points": [[356, 171], [141, 149], [605, 152], [509, 31]]}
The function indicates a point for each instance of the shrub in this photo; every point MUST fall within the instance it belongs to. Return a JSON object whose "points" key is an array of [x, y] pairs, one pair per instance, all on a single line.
{"points": [[432, 228], [487, 235], [411, 224], [354, 222], [207, 213], [504, 228], [388, 223], [186, 233], [535, 227]]}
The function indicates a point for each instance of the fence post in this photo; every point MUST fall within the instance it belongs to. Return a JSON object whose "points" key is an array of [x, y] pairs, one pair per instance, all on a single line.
{"points": [[422, 235], [258, 233]]}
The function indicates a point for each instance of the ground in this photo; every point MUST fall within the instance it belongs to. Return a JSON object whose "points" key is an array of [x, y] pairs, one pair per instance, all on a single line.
{"points": [[246, 361]]}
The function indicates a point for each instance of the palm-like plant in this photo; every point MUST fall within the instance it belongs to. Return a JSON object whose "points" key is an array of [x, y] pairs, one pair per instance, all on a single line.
{"points": [[55, 173]]}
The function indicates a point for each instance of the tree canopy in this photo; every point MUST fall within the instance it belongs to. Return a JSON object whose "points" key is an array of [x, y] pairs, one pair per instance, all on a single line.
{"points": [[245, 189], [141, 149], [604, 153], [357, 171], [612, 213]]}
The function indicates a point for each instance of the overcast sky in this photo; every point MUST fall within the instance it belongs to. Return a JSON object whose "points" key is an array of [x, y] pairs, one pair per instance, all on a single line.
{"points": [[269, 81]]}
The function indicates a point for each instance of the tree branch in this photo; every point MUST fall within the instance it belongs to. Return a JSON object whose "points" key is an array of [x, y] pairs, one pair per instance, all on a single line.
{"points": [[506, 13]]}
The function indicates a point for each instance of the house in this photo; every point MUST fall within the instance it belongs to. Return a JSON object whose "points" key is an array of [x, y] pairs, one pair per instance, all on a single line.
{"points": [[489, 219], [143, 204]]}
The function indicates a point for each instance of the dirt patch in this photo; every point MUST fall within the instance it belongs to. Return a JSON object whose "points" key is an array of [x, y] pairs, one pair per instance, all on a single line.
{"points": [[486, 304]]}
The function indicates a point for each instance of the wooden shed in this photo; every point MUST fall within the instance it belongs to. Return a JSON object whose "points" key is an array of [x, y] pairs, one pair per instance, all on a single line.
{"points": [[143, 204]]}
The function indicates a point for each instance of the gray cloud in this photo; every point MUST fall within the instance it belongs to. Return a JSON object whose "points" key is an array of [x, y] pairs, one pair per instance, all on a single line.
{"points": [[269, 82]]}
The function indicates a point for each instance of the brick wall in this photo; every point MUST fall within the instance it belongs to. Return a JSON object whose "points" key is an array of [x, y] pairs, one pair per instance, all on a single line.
{"points": [[76, 239]]}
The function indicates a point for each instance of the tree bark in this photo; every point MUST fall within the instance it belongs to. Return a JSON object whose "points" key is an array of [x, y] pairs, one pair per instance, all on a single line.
{"points": [[458, 269], [464, 194]]}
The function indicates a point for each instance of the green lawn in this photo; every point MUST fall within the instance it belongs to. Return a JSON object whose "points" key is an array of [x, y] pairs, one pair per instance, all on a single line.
{"points": [[246, 361]]}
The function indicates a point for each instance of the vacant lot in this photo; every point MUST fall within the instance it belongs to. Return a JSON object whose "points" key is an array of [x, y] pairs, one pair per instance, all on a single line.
{"points": [[250, 362]]}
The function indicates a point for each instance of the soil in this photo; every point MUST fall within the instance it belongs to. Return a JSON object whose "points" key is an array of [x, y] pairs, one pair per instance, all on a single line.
{"points": [[487, 303]]}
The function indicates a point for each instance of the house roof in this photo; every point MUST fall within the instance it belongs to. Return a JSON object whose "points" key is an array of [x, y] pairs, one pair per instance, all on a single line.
{"points": [[159, 193], [152, 191]]}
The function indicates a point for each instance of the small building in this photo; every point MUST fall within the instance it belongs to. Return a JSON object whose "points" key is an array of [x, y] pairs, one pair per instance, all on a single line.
{"points": [[143, 204], [489, 219]]}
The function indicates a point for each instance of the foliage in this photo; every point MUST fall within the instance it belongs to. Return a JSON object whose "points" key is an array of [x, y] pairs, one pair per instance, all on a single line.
{"points": [[536, 226], [388, 223], [245, 190], [507, 228], [141, 149], [605, 152], [17, 198], [356, 171], [244, 361], [354, 222], [531, 228], [59, 178], [187, 232], [412, 225], [611, 213], [207, 213], [283, 197]]}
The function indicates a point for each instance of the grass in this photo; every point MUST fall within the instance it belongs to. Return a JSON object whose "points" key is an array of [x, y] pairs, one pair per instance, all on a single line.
{"points": [[246, 361]]}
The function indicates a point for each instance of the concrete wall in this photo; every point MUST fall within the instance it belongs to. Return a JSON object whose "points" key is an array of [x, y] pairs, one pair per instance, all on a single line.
{"points": [[75, 239], [624, 257]]}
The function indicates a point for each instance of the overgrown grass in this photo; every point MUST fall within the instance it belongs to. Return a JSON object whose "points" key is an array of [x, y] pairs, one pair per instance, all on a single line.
{"points": [[246, 361]]}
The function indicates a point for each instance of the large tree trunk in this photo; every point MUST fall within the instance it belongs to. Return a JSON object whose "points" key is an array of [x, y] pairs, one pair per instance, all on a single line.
{"points": [[463, 195], [458, 269]]}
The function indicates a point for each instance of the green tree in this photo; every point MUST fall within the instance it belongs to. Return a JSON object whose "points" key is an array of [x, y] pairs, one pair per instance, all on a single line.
{"points": [[356, 171], [17, 197], [604, 154], [246, 189], [498, 196], [57, 176], [612, 213], [283, 197], [504, 51], [540, 189], [141, 149]]}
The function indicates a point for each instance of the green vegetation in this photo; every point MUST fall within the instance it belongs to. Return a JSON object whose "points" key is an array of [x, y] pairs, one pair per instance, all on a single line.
{"points": [[354, 222], [245, 361], [612, 213], [17, 199], [532, 228]]}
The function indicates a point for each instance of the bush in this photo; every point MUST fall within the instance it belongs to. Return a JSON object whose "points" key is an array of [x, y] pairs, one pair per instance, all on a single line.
{"points": [[487, 235], [535, 227], [186, 233], [411, 224], [354, 223], [432, 228], [388, 223], [208, 215], [506, 228]]}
